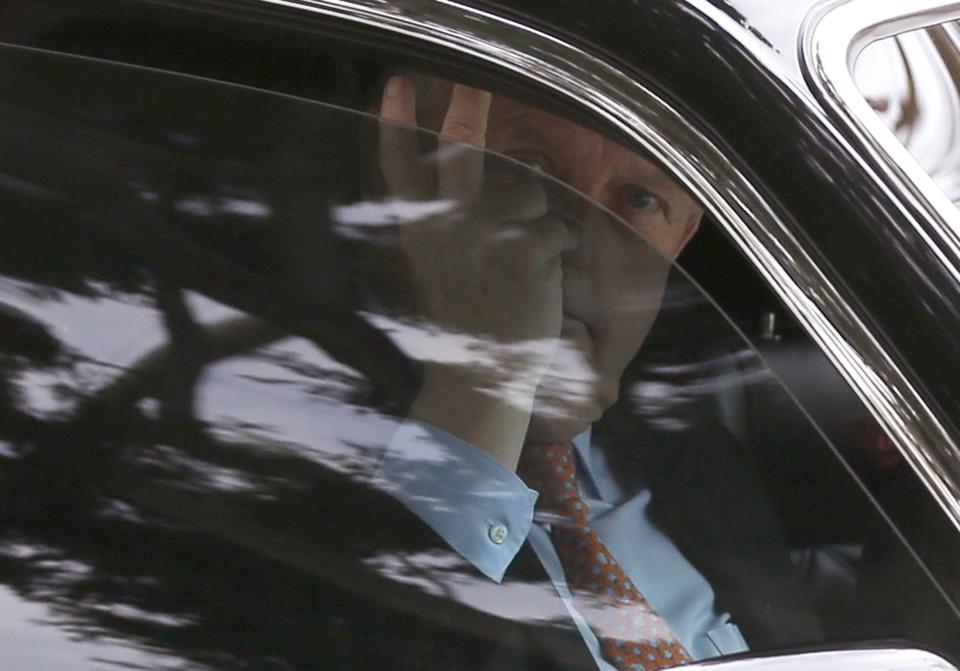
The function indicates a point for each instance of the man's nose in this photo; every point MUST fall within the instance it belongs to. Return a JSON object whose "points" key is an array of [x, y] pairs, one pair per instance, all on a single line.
{"points": [[577, 206], [592, 179], [577, 221], [593, 184]]}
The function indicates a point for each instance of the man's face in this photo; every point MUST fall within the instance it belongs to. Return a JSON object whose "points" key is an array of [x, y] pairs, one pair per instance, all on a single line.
{"points": [[613, 278]]}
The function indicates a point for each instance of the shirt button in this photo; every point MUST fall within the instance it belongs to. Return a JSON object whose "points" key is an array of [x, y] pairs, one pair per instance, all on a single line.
{"points": [[497, 533]]}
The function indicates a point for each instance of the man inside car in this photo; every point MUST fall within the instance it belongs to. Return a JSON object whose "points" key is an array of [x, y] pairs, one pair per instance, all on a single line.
{"points": [[548, 304]]}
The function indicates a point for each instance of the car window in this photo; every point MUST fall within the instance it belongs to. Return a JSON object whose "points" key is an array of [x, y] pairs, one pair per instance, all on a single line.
{"points": [[910, 81], [295, 385]]}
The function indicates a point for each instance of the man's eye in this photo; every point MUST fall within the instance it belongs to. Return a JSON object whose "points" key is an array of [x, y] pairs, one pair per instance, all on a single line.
{"points": [[642, 200]]}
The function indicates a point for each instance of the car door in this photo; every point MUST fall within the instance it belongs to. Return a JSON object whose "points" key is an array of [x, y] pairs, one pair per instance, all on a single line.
{"points": [[221, 312]]}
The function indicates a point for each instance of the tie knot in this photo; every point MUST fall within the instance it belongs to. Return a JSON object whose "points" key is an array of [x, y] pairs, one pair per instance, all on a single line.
{"points": [[551, 470], [632, 635], [543, 463]]}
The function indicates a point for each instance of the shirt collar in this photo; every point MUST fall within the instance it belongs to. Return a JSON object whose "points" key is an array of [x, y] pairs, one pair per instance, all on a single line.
{"points": [[482, 509], [582, 445]]}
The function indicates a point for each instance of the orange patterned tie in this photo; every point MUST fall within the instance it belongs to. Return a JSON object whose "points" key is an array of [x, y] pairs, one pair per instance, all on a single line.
{"points": [[633, 637]]}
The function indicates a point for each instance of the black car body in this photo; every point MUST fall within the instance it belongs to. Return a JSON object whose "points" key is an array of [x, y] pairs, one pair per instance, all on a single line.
{"points": [[144, 142]]}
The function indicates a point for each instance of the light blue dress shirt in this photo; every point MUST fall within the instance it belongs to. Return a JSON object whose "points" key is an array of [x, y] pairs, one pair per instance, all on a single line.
{"points": [[485, 512]]}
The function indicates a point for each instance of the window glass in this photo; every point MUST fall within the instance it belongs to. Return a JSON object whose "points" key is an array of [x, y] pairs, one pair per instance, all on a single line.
{"points": [[910, 80], [287, 385]]}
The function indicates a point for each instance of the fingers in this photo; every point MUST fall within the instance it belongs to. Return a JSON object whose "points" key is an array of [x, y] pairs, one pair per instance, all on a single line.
{"points": [[550, 237], [460, 175], [519, 224], [459, 167], [531, 245], [467, 115], [523, 200], [398, 138]]}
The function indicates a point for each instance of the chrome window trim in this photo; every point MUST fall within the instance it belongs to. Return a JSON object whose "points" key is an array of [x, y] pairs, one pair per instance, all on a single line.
{"points": [[833, 36], [848, 659], [750, 221], [831, 40]]}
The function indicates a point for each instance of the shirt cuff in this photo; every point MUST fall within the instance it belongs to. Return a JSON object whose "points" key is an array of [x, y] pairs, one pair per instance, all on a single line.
{"points": [[475, 503]]}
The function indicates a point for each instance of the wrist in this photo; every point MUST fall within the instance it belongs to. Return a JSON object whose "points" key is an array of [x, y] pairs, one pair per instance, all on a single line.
{"points": [[493, 419]]}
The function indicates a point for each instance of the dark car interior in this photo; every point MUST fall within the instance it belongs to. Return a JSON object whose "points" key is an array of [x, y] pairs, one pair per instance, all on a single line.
{"points": [[821, 475]]}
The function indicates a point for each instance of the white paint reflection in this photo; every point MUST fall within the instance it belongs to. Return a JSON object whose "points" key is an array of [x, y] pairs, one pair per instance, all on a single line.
{"points": [[612, 619], [510, 368], [570, 383], [144, 192], [21, 550], [245, 208], [113, 327], [11, 183], [205, 310], [150, 407], [445, 575], [356, 220], [51, 394], [108, 326], [199, 473], [36, 638], [128, 612], [207, 206], [120, 510], [666, 392], [6, 449], [293, 397]]}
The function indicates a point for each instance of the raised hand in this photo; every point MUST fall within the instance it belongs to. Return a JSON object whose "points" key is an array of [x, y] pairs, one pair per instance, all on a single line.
{"points": [[486, 268]]}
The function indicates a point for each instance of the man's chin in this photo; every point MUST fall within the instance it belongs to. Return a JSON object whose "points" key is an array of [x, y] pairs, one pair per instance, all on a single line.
{"points": [[559, 422]]}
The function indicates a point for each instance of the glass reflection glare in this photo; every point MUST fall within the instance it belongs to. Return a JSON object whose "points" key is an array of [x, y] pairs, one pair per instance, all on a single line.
{"points": [[910, 81], [208, 348]]}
